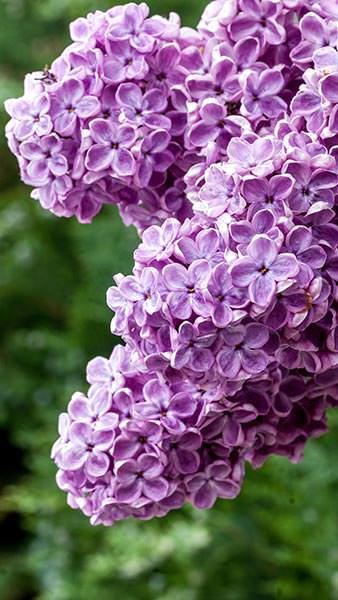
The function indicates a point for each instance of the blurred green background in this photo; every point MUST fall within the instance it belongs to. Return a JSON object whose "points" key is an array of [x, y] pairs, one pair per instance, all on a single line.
{"points": [[279, 540]]}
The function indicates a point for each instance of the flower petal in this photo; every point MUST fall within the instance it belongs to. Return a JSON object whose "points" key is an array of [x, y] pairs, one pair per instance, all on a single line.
{"points": [[262, 289], [285, 266], [97, 464], [243, 271], [155, 489], [205, 497]]}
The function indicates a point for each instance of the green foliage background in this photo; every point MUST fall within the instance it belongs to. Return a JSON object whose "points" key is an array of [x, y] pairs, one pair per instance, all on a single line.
{"points": [[279, 540]]}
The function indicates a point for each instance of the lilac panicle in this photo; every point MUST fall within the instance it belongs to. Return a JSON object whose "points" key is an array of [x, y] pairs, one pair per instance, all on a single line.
{"points": [[135, 446], [221, 146], [109, 105], [138, 106]]}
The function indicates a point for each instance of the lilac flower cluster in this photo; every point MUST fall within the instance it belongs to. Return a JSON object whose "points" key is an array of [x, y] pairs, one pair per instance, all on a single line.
{"points": [[225, 301], [231, 325], [104, 123], [136, 107], [221, 146], [139, 445]]}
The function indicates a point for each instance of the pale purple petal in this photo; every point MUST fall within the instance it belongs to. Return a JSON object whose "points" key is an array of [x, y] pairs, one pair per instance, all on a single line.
{"points": [[253, 361], [155, 489], [262, 289], [284, 266], [243, 271], [262, 250], [205, 497], [97, 464]]}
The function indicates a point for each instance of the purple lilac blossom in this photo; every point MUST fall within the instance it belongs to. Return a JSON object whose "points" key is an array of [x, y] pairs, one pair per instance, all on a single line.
{"points": [[115, 464], [192, 98], [221, 146], [110, 105]]}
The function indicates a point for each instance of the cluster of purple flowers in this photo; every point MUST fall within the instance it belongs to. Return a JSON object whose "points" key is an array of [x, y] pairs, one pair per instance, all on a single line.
{"points": [[138, 446], [136, 107], [105, 123], [231, 347], [141, 445], [221, 146]]}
